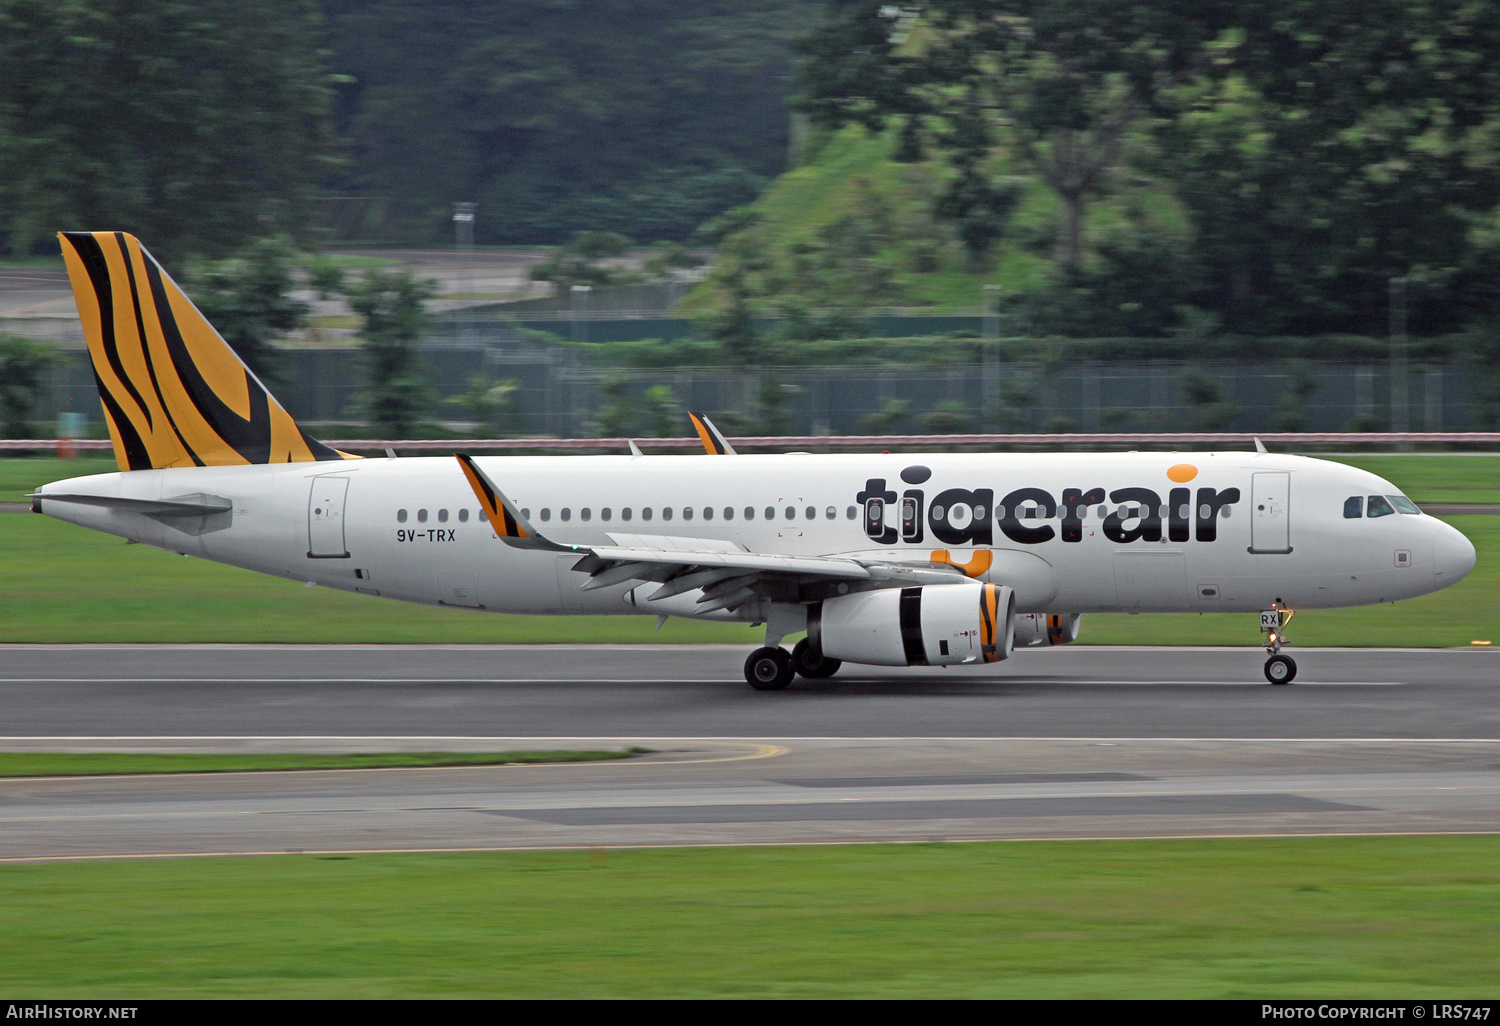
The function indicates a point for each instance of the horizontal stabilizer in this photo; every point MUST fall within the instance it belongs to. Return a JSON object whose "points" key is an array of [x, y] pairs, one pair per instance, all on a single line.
{"points": [[195, 505]]}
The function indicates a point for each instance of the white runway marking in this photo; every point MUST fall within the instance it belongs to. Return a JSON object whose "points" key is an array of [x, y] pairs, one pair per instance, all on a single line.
{"points": [[669, 680]]}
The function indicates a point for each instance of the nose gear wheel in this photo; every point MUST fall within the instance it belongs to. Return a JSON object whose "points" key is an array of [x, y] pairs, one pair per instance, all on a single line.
{"points": [[1281, 669]]}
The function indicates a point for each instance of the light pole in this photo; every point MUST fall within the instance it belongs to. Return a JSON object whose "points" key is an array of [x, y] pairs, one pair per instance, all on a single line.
{"points": [[1400, 391], [578, 303], [990, 369], [463, 245]]}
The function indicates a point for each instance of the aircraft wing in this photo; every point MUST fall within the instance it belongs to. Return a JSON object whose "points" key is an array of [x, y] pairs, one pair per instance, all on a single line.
{"points": [[727, 574]]}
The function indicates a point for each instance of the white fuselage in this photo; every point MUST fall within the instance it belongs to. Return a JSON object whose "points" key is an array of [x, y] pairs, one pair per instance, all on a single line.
{"points": [[411, 528]]}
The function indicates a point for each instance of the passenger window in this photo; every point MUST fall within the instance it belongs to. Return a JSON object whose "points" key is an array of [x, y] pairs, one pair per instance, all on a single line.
{"points": [[566, 514], [978, 512], [1354, 507], [1378, 507], [831, 513], [442, 516], [605, 514], [525, 513], [811, 513], [463, 516], [666, 513], [999, 513], [791, 513], [400, 516], [749, 512], [625, 513], [687, 512], [583, 514], [546, 514], [728, 512], [646, 513], [708, 512], [851, 512], [1404, 505], [770, 512], [421, 516]]}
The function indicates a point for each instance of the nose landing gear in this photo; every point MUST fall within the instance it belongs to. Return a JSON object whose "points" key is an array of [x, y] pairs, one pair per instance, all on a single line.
{"points": [[1280, 669]]}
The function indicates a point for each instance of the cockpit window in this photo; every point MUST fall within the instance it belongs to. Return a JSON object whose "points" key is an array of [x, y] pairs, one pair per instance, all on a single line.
{"points": [[1354, 507], [1379, 507], [1403, 504]]}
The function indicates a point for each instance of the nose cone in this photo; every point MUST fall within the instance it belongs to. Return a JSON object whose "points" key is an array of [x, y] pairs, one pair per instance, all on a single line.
{"points": [[1452, 556]]}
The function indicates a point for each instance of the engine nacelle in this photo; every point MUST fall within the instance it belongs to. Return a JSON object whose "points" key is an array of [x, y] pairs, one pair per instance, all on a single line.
{"points": [[1047, 628], [936, 625]]}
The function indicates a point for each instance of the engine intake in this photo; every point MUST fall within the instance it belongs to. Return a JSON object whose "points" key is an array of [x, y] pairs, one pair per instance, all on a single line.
{"points": [[1047, 628], [937, 625]]}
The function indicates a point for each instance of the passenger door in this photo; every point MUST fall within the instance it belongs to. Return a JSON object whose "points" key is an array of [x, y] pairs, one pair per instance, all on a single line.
{"points": [[1270, 496], [325, 518]]}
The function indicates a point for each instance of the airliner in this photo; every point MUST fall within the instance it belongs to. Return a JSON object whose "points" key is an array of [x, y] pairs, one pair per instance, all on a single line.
{"points": [[890, 559]]}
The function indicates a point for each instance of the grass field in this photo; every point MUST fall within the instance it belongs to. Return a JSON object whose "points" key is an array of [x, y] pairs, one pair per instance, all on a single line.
{"points": [[67, 584], [1401, 917], [1436, 478], [101, 764]]}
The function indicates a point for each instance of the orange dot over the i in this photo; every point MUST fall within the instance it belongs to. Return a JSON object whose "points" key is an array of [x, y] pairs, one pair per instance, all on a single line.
{"points": [[1182, 473]]}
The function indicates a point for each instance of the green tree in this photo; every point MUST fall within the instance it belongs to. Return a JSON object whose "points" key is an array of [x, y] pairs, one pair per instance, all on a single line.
{"points": [[889, 420], [618, 412], [577, 262], [660, 415], [248, 298], [1059, 84], [1209, 411], [22, 364], [192, 123], [396, 396], [490, 404], [639, 116], [1327, 147], [1292, 413]]}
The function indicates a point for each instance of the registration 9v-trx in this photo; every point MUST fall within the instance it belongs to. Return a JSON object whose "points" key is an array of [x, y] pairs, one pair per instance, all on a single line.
{"points": [[893, 560]]}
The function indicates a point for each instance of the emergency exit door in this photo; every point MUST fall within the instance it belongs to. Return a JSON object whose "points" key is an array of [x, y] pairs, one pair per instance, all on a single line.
{"points": [[325, 518], [1270, 496]]}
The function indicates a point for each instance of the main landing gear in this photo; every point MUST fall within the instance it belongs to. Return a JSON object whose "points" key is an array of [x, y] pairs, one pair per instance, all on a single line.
{"points": [[810, 662], [771, 668], [1280, 669]]}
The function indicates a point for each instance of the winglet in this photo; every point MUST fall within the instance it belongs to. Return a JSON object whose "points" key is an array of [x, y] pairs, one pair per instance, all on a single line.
{"points": [[713, 439], [1259, 445], [507, 521]]}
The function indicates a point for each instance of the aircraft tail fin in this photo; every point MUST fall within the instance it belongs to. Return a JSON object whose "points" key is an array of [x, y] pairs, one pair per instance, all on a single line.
{"points": [[174, 393]]}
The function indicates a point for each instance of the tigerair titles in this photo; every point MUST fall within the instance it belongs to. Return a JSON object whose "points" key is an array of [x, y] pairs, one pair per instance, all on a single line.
{"points": [[968, 516]]}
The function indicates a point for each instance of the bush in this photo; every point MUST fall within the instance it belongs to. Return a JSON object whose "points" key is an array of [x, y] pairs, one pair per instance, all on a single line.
{"points": [[22, 364]]}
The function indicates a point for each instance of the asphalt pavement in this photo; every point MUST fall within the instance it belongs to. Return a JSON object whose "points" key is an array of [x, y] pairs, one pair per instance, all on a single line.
{"points": [[1070, 743]]}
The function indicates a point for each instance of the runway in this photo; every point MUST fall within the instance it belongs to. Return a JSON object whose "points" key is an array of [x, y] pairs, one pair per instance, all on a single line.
{"points": [[1065, 743], [699, 691]]}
